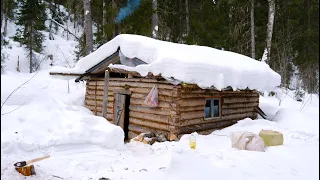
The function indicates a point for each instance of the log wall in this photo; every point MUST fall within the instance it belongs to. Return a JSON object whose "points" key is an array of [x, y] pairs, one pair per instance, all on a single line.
{"points": [[235, 105], [141, 117], [180, 110]]}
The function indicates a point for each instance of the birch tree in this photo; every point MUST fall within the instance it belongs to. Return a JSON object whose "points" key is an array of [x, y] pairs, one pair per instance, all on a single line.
{"points": [[271, 13], [187, 18], [154, 19], [104, 18], [88, 27], [253, 51]]}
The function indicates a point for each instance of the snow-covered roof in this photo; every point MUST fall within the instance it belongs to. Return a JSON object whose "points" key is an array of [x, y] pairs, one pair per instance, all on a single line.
{"points": [[201, 65]]}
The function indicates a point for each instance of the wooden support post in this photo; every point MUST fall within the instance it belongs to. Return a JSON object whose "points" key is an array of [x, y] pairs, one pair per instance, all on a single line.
{"points": [[105, 94]]}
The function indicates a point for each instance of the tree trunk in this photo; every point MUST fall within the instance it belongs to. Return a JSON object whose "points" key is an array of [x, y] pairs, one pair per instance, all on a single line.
{"points": [[88, 26], [51, 8], [116, 27], [104, 19], [2, 12], [68, 16], [253, 51], [187, 18], [271, 13], [30, 46], [154, 19]]}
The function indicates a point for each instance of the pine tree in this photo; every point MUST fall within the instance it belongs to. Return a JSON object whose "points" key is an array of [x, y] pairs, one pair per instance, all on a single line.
{"points": [[31, 18], [56, 16]]}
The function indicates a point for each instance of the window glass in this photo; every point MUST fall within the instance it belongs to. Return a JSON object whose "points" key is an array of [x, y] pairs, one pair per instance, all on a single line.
{"points": [[216, 110], [207, 109]]}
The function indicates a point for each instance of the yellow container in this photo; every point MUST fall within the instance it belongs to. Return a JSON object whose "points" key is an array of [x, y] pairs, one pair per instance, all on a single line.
{"points": [[192, 142], [271, 138]]}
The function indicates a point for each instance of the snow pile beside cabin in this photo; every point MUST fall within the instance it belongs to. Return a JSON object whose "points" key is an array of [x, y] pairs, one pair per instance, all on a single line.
{"points": [[42, 114], [191, 64]]}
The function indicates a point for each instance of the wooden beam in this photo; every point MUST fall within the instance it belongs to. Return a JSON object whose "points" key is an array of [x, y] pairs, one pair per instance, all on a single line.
{"points": [[64, 74], [105, 94]]}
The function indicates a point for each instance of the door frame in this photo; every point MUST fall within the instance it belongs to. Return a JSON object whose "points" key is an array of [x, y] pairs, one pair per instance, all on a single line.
{"points": [[127, 95]]}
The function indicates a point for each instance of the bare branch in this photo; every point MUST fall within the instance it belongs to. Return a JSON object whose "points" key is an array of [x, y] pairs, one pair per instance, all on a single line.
{"points": [[64, 28], [14, 109]]}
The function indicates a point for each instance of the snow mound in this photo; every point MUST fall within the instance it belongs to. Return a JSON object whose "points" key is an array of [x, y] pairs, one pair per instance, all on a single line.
{"points": [[296, 121], [187, 63], [50, 116]]}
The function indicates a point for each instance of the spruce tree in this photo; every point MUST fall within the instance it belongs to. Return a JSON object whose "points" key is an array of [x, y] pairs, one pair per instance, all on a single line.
{"points": [[31, 18]]}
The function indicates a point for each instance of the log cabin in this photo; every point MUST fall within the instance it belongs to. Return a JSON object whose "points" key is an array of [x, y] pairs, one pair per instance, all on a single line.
{"points": [[118, 95]]}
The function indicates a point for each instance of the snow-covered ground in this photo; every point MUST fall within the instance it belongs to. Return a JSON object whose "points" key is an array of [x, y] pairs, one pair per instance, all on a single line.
{"points": [[83, 146], [44, 116]]}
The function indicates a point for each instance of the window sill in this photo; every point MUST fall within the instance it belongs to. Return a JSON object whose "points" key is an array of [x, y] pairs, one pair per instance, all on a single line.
{"points": [[214, 118]]}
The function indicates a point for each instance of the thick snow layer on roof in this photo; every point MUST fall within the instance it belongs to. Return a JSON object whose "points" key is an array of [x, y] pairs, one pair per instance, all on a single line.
{"points": [[191, 64]]}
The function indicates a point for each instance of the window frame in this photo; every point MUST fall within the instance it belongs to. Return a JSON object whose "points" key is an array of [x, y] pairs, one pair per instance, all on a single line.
{"points": [[211, 108]]}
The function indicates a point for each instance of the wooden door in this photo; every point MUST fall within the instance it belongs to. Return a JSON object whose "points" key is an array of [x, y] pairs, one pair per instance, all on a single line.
{"points": [[119, 109]]}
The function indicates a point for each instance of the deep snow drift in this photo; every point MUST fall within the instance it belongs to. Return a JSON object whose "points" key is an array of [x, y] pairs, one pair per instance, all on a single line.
{"points": [[187, 63], [83, 146]]}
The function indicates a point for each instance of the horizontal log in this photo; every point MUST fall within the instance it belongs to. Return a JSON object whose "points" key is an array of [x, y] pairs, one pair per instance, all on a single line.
{"points": [[91, 87], [164, 92], [203, 91], [150, 117], [98, 98], [138, 90], [65, 74], [231, 117], [204, 127], [93, 108], [236, 110], [109, 110], [93, 97], [139, 84], [148, 124], [192, 115], [94, 92], [192, 102], [161, 104], [238, 116], [216, 95], [142, 109], [95, 83], [144, 96], [194, 95], [110, 120], [239, 100], [97, 113], [110, 116], [93, 103], [192, 108], [251, 95], [239, 105]]}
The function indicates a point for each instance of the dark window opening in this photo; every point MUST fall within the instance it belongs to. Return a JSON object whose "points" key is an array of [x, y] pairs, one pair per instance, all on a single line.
{"points": [[212, 108]]}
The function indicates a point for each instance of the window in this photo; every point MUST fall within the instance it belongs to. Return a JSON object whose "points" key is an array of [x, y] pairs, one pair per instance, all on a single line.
{"points": [[212, 109]]}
